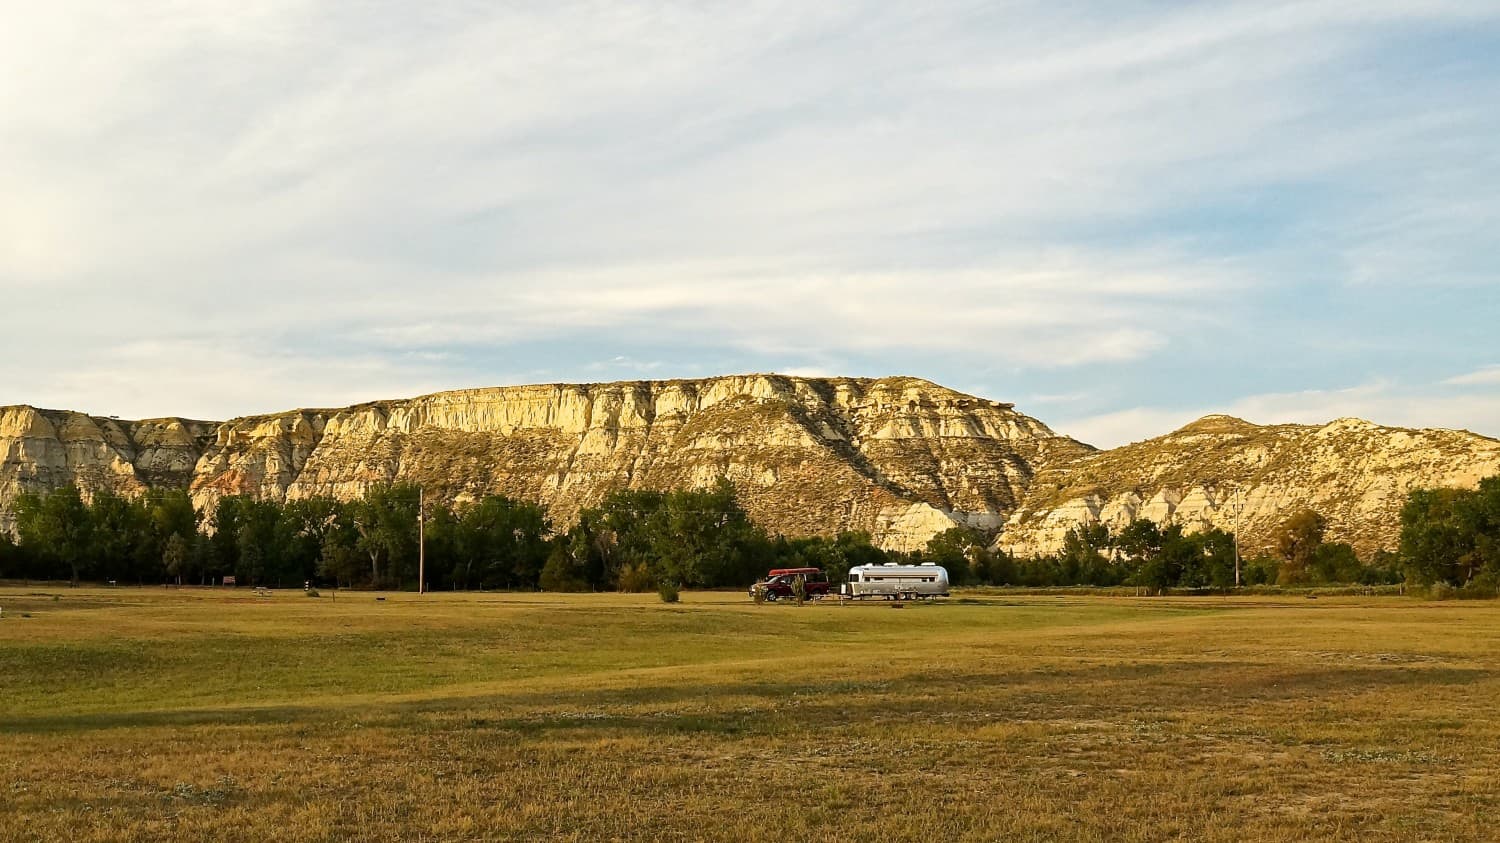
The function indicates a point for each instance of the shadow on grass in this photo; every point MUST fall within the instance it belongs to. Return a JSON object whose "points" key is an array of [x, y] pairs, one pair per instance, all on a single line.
{"points": [[762, 707]]}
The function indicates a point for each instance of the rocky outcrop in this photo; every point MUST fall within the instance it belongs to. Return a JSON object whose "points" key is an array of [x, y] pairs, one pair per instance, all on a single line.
{"points": [[41, 450], [901, 458], [1225, 472]]}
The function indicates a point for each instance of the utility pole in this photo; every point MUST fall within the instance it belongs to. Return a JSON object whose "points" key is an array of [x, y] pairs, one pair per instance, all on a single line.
{"points": [[422, 541], [1237, 507]]}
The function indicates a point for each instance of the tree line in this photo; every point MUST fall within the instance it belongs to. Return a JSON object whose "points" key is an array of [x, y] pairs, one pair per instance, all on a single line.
{"points": [[635, 540], [1159, 557], [1451, 537]]}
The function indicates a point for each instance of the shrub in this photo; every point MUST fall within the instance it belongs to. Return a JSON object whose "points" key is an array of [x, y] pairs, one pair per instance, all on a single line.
{"points": [[635, 578], [561, 574], [668, 592], [1260, 570], [1486, 586], [1479, 588]]}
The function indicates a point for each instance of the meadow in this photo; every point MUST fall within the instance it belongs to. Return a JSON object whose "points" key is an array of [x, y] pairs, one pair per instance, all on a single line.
{"points": [[192, 714]]}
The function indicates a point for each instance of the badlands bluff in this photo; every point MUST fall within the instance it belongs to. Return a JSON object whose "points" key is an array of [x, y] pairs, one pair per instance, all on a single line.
{"points": [[901, 458]]}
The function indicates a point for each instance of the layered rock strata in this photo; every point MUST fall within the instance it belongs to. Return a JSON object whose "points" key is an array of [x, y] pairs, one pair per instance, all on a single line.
{"points": [[1225, 472], [901, 458]]}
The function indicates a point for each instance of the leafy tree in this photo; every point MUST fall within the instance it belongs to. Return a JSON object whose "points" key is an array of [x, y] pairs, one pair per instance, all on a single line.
{"points": [[706, 539], [1452, 536], [171, 512], [1167, 557], [12, 557], [165, 513], [591, 547], [562, 572], [1334, 562], [959, 550], [200, 557], [1084, 558], [1000, 568], [504, 539], [224, 542], [1140, 540], [123, 543], [622, 531], [1262, 569], [1297, 540], [58, 529], [1479, 517], [264, 543], [386, 521], [635, 578], [174, 557], [305, 527], [338, 557], [1432, 542], [1039, 572], [1207, 559], [699, 537]]}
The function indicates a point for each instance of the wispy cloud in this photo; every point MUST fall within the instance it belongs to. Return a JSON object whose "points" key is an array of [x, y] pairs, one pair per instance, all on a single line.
{"points": [[1487, 376], [1052, 198], [210, 382], [1383, 402]]}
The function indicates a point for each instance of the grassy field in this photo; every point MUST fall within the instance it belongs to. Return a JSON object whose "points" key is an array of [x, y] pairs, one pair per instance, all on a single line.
{"points": [[199, 714]]}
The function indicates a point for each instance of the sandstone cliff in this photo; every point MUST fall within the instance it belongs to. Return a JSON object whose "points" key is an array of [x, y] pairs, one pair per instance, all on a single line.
{"points": [[41, 450], [899, 457], [1221, 471]]}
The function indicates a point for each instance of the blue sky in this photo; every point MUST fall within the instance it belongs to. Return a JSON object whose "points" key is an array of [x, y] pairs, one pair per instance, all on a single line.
{"points": [[1120, 215]]}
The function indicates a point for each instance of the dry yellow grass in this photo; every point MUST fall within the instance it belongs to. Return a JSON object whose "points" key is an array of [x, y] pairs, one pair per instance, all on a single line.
{"points": [[190, 715]]}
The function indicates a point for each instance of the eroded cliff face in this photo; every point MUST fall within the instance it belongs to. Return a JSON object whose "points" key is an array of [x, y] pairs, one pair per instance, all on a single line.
{"points": [[899, 457], [41, 450], [1222, 472]]}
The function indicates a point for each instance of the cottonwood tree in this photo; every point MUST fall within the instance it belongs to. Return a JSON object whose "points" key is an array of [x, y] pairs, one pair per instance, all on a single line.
{"points": [[961, 551], [386, 521], [1297, 540], [505, 539], [174, 557], [57, 527], [1452, 536], [562, 572]]}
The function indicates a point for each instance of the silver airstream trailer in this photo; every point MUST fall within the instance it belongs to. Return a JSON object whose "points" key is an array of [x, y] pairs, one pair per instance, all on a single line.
{"points": [[892, 581]]}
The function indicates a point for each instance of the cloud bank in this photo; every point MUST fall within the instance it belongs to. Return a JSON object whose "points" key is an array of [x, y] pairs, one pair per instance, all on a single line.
{"points": [[213, 209]]}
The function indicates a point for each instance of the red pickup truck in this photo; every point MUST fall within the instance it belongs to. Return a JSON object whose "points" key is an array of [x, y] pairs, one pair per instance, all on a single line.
{"points": [[778, 583]]}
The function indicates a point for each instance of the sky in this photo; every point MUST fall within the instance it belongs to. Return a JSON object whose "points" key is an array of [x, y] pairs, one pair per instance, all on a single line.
{"points": [[1118, 215]]}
